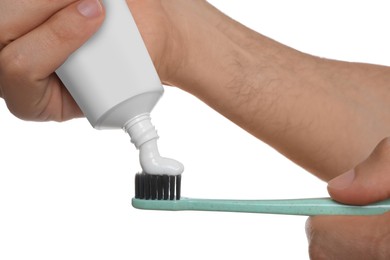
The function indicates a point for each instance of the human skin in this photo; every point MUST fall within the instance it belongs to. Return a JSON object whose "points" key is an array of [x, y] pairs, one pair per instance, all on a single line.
{"points": [[355, 237], [325, 115], [35, 38]]}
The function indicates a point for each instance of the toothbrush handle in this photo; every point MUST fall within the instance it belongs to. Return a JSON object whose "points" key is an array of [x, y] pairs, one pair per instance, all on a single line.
{"points": [[306, 207]]}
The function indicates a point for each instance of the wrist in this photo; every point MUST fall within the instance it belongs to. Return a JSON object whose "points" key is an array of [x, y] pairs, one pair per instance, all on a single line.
{"points": [[214, 52], [196, 45], [231, 67]]}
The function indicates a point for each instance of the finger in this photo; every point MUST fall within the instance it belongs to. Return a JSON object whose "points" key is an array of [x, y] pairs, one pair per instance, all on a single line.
{"points": [[27, 63], [59, 105], [349, 237], [19, 17], [366, 183]]}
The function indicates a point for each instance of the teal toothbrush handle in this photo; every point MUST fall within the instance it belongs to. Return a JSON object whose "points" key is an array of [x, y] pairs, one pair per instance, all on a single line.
{"points": [[306, 207]]}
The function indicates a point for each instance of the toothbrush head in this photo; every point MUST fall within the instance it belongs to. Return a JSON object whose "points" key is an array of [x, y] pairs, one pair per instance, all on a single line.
{"points": [[157, 187]]}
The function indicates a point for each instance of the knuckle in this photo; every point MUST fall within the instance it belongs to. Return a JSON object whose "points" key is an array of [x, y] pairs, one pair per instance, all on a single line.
{"points": [[14, 72], [58, 32], [13, 64]]}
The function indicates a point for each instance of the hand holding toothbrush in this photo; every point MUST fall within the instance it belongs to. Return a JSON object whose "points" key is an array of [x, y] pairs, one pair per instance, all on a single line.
{"points": [[355, 237]]}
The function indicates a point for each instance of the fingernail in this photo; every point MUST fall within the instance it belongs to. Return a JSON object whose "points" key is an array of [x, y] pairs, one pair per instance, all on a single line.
{"points": [[90, 8], [343, 181]]}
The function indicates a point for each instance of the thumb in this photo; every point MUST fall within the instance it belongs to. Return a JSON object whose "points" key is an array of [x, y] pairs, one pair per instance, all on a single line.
{"points": [[366, 183]]}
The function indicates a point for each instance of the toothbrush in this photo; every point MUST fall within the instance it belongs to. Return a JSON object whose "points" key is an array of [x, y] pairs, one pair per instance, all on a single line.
{"points": [[305, 207], [161, 193]]}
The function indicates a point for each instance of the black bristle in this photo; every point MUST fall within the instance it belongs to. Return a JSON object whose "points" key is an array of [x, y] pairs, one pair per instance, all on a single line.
{"points": [[166, 186], [137, 191], [153, 187], [172, 187], [141, 186], [178, 186], [157, 187], [147, 185]]}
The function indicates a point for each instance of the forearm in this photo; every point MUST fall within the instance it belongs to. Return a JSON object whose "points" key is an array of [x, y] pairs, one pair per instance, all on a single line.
{"points": [[325, 115]]}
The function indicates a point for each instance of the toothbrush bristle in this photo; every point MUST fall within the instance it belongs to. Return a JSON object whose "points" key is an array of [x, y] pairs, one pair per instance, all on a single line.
{"points": [[157, 187]]}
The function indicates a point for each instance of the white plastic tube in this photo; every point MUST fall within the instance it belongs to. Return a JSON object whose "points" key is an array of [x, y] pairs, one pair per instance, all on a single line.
{"points": [[114, 82]]}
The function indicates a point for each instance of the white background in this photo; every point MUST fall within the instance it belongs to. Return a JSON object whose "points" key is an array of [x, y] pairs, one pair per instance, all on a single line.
{"points": [[65, 189]]}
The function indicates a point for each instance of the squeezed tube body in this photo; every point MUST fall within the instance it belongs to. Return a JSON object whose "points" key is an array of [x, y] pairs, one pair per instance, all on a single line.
{"points": [[113, 80], [112, 77]]}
